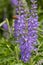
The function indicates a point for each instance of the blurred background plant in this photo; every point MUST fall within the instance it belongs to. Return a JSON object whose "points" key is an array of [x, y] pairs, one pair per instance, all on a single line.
{"points": [[9, 50]]}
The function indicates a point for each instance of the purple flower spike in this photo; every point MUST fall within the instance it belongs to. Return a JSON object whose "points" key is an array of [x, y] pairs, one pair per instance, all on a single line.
{"points": [[26, 30]]}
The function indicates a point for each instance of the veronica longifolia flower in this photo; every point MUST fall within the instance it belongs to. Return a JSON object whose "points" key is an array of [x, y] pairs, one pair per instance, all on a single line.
{"points": [[25, 30]]}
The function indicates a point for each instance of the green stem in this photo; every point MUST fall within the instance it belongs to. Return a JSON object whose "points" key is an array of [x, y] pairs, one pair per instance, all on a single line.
{"points": [[9, 48], [8, 27], [2, 23], [40, 45], [40, 35], [40, 30], [16, 49]]}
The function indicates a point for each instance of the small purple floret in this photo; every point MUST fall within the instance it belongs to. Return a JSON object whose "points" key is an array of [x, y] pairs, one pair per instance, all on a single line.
{"points": [[5, 26], [14, 2]]}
